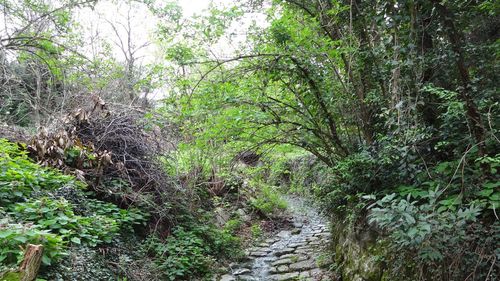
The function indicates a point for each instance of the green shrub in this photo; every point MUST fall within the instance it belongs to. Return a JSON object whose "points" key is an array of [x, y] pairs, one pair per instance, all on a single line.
{"points": [[256, 231], [125, 218], [14, 236], [58, 216], [19, 177], [267, 201], [182, 255], [428, 234]]}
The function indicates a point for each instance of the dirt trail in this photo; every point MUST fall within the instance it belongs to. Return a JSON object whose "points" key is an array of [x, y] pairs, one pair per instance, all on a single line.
{"points": [[291, 254]]}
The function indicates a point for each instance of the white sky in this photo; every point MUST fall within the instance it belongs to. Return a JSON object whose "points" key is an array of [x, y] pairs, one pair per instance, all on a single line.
{"points": [[108, 13], [143, 23]]}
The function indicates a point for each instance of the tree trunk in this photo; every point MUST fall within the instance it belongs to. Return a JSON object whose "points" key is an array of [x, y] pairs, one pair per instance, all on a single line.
{"points": [[31, 262], [472, 112]]}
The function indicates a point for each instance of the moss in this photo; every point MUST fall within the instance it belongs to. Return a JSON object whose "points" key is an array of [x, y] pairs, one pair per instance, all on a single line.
{"points": [[356, 260], [10, 276]]}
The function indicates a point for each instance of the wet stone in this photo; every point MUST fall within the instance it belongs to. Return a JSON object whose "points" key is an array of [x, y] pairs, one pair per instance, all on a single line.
{"points": [[290, 254], [285, 277], [305, 274], [258, 254], [227, 277], [271, 240], [282, 261], [303, 265], [241, 271], [284, 251], [295, 245], [283, 269], [283, 233], [245, 278]]}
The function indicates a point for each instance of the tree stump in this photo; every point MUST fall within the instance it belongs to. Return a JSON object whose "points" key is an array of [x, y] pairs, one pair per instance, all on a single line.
{"points": [[31, 262]]}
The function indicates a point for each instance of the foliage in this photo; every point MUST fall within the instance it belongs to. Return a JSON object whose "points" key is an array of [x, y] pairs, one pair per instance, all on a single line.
{"points": [[14, 236], [58, 216], [267, 201], [19, 177], [431, 239], [182, 255], [40, 213]]}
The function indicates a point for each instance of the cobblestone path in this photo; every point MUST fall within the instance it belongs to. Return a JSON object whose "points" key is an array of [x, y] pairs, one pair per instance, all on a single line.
{"points": [[291, 254]]}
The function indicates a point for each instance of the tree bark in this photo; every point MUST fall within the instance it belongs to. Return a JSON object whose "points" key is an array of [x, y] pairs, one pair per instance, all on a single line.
{"points": [[31, 262]]}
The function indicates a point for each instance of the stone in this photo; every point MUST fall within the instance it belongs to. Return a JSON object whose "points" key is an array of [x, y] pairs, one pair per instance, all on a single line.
{"points": [[245, 278], [258, 254], [283, 268], [283, 234], [227, 277], [295, 245], [282, 261], [243, 215], [273, 270], [241, 271], [221, 216], [305, 274], [303, 265], [284, 277], [296, 231], [260, 249], [271, 240], [284, 251]]}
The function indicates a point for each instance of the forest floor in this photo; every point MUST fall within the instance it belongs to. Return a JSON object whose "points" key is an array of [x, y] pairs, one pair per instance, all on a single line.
{"points": [[298, 253]]}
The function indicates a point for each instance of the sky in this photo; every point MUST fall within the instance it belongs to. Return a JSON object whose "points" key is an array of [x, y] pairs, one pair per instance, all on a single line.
{"points": [[108, 20], [100, 21]]}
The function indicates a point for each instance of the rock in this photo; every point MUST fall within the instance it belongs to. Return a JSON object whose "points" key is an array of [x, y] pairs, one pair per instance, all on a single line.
{"points": [[227, 277], [243, 215], [282, 261], [283, 268], [264, 245], [241, 271], [296, 231], [283, 233], [258, 254], [245, 278], [221, 216], [271, 240], [284, 277], [284, 251], [303, 265], [260, 249], [305, 274], [295, 245]]}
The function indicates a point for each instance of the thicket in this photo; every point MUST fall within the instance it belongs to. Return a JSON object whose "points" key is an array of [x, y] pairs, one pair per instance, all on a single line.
{"points": [[397, 102], [388, 110]]}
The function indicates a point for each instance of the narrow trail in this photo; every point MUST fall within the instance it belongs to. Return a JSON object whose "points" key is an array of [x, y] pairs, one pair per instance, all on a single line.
{"points": [[291, 254]]}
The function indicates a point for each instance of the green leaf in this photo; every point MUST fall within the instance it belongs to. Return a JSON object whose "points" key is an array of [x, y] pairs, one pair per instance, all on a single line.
{"points": [[76, 240], [46, 260]]}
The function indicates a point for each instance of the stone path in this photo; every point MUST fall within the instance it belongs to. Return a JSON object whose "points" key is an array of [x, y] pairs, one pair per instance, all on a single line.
{"points": [[291, 254]]}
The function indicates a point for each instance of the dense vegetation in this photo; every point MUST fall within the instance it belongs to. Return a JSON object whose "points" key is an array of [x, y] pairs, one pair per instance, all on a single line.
{"points": [[386, 113]]}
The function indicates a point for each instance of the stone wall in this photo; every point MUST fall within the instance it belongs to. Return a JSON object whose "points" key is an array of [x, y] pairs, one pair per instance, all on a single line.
{"points": [[357, 253]]}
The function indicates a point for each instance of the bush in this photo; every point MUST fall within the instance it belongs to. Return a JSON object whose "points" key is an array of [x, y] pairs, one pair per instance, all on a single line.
{"points": [[183, 254], [34, 209], [19, 177], [267, 201], [427, 235], [14, 236]]}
